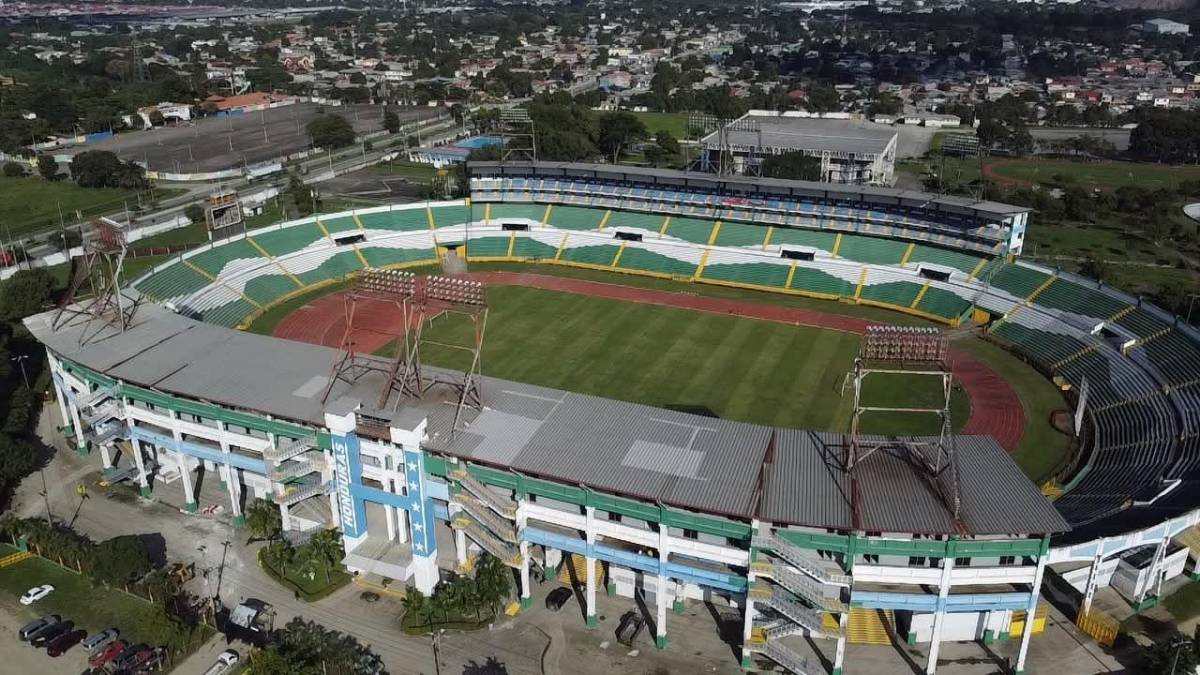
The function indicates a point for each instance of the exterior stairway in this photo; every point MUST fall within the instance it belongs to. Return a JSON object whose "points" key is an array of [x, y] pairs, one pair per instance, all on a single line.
{"points": [[286, 470], [300, 494], [870, 626], [107, 410], [500, 527], [801, 559], [809, 619], [507, 554], [290, 449], [801, 584], [92, 398], [785, 657], [503, 505]]}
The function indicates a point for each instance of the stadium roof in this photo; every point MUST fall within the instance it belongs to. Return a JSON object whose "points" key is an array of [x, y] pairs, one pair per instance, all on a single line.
{"points": [[664, 456], [795, 189], [806, 133]]}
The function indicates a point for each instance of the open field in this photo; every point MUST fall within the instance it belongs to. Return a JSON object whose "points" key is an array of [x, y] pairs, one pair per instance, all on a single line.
{"points": [[676, 123], [1097, 175], [93, 608], [218, 143], [737, 368], [31, 204]]}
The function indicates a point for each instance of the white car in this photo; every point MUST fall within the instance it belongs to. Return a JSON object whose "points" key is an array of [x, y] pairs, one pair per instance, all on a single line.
{"points": [[36, 593], [225, 661]]}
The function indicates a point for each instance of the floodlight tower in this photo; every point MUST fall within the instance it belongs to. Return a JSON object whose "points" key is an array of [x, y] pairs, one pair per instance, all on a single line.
{"points": [[94, 294], [518, 135], [919, 352], [452, 298]]}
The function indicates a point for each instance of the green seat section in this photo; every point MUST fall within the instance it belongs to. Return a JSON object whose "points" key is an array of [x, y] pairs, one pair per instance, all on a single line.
{"points": [[757, 274], [592, 255], [816, 281], [379, 256], [1142, 323], [488, 247], [941, 302], [576, 217], [269, 287], [741, 234], [1176, 357], [215, 259], [652, 222], [338, 266], [796, 237], [229, 314], [172, 282], [691, 229], [289, 239], [532, 248], [400, 221], [872, 250], [1018, 280], [649, 261], [339, 224], [532, 212], [944, 257], [1047, 348], [445, 216], [1072, 297], [900, 293]]}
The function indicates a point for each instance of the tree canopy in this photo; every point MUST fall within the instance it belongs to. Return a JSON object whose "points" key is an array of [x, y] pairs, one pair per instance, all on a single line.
{"points": [[100, 168], [329, 131]]}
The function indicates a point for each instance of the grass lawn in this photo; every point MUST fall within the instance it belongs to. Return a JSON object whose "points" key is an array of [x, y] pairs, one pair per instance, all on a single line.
{"points": [[1100, 175], [32, 204], [676, 123], [737, 368], [310, 589], [74, 597], [1184, 603], [192, 235], [412, 624]]}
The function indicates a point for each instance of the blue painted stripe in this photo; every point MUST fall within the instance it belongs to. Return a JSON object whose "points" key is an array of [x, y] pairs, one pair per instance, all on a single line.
{"points": [[924, 602], [201, 452]]}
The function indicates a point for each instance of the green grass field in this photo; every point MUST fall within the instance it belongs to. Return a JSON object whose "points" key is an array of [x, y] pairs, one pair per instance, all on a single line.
{"points": [[93, 608], [31, 204], [739, 369], [1099, 175], [676, 123]]}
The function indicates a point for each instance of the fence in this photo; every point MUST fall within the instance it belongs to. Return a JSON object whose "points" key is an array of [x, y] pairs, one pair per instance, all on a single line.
{"points": [[1100, 626]]}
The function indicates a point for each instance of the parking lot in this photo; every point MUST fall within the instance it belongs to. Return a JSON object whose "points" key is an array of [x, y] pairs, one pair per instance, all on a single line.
{"points": [[19, 657], [218, 143]]}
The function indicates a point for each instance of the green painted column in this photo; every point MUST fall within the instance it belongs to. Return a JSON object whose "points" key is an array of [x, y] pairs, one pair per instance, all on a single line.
{"points": [[678, 605], [239, 521], [591, 621], [526, 603], [660, 641], [191, 507], [610, 588], [146, 491]]}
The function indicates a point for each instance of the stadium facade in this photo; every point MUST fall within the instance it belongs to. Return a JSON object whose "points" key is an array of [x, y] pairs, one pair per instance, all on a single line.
{"points": [[632, 500]]}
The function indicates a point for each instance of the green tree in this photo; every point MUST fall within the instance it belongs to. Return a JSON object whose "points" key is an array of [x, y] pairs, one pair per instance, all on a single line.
{"points": [[263, 520], [303, 197], [13, 170], [25, 293], [120, 560], [47, 167], [330, 131], [667, 142], [194, 213], [391, 122], [618, 131]]}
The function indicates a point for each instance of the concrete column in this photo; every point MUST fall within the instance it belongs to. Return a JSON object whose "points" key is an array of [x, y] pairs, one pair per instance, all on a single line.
{"points": [[940, 616], [1093, 580], [333, 510], [553, 560], [589, 531], [233, 483], [522, 520], [80, 444], [60, 395], [106, 457], [1159, 561], [460, 547], [660, 623], [143, 480], [388, 515], [185, 475], [401, 525], [1030, 612], [748, 606], [839, 654]]}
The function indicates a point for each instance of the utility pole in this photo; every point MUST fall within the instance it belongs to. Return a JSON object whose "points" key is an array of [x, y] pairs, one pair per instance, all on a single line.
{"points": [[20, 359]]}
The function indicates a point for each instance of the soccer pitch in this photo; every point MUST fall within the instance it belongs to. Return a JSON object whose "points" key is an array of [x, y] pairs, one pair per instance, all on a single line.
{"points": [[735, 368]]}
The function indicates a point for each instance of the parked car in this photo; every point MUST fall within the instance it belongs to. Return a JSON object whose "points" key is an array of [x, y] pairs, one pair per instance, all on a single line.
{"points": [[39, 631], [37, 624], [59, 645], [629, 628], [108, 653], [224, 662], [45, 637], [36, 593], [100, 640], [127, 658], [558, 597], [141, 659]]}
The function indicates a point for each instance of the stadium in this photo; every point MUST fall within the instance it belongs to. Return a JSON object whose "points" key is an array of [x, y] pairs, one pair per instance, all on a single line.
{"points": [[604, 449]]}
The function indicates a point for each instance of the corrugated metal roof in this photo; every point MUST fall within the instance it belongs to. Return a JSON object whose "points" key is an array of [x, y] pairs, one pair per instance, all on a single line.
{"points": [[690, 461]]}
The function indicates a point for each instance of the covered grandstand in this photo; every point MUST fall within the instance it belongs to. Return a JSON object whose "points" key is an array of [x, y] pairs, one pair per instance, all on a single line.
{"points": [[943, 259]]}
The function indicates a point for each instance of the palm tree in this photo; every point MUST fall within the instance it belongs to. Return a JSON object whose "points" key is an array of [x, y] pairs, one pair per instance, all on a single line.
{"points": [[413, 602], [326, 547]]}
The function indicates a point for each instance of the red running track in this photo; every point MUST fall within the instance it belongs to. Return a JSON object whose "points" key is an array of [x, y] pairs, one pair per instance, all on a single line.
{"points": [[995, 408]]}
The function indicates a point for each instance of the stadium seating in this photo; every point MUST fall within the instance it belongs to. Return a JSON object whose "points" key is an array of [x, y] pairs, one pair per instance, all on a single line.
{"points": [[639, 257], [174, 281], [602, 255], [286, 240], [942, 303], [944, 257], [215, 259], [741, 235], [813, 280], [872, 250], [488, 247], [1069, 296], [400, 220], [691, 229], [575, 218], [1019, 280], [533, 212], [448, 216], [341, 224]]}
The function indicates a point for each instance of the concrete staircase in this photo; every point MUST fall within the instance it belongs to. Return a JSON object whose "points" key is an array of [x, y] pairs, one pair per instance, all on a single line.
{"points": [[504, 529], [576, 565], [290, 449], [785, 657], [802, 585], [801, 559], [286, 470], [300, 494], [507, 553], [810, 620], [871, 626], [504, 506]]}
